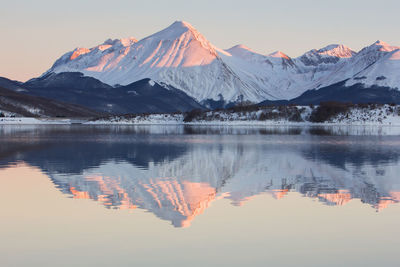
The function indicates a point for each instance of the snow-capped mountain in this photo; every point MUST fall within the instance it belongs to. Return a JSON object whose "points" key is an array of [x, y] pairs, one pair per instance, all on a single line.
{"points": [[178, 56], [380, 64], [182, 57]]}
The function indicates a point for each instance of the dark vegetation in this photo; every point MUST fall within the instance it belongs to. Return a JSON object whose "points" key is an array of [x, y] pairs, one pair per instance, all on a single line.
{"points": [[193, 115], [77, 89], [248, 112], [138, 97], [32, 106], [324, 112], [329, 110]]}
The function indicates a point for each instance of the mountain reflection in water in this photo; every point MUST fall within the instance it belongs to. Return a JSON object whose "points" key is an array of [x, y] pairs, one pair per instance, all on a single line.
{"points": [[175, 172]]}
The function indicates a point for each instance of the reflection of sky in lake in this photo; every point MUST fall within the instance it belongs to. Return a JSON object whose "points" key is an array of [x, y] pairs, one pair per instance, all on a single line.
{"points": [[303, 189]]}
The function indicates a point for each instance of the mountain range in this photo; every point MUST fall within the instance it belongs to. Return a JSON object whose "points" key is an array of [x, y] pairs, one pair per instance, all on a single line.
{"points": [[178, 69]]}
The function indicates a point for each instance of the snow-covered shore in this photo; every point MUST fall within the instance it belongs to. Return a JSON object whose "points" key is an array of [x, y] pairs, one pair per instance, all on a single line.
{"points": [[381, 115], [34, 121], [384, 115]]}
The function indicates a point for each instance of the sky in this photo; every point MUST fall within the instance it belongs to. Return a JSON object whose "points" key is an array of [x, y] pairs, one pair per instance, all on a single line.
{"points": [[35, 33]]}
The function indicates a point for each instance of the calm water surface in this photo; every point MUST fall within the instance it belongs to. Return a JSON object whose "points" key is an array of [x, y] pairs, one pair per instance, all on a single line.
{"points": [[199, 196]]}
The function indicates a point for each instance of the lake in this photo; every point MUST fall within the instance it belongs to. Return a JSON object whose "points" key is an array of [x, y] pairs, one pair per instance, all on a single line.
{"points": [[199, 196]]}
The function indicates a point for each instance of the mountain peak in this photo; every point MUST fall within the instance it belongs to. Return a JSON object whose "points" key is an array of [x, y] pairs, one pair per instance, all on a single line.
{"points": [[279, 54], [381, 43], [380, 46], [175, 30], [330, 47], [240, 48], [336, 50], [181, 24], [329, 54], [180, 30]]}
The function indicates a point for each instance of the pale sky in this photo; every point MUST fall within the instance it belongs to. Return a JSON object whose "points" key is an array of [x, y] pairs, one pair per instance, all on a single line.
{"points": [[35, 33]]}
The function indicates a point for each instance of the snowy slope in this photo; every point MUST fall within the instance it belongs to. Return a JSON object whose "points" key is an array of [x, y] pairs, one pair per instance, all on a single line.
{"points": [[382, 66], [182, 57], [359, 68], [277, 76]]}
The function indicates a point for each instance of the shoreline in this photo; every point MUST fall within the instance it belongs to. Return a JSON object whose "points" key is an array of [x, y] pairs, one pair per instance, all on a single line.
{"points": [[250, 123]]}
